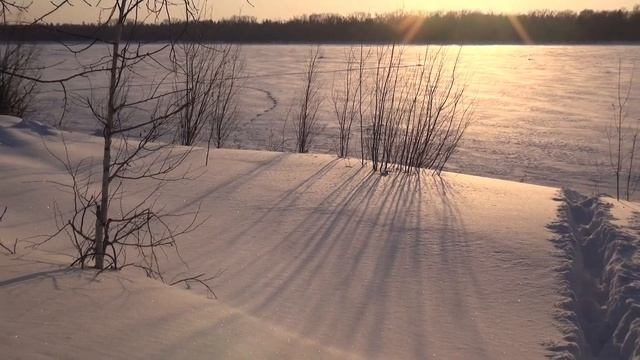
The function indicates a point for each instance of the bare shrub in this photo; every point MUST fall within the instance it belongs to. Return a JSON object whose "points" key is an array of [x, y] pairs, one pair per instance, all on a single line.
{"points": [[224, 112], [309, 103], [18, 69], [345, 104], [382, 119], [207, 81], [278, 142], [418, 115]]}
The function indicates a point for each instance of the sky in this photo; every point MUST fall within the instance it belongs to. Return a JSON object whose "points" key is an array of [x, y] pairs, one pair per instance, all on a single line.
{"points": [[284, 9]]}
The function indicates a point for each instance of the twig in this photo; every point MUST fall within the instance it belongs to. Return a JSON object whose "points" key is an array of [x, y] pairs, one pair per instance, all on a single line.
{"points": [[200, 279]]}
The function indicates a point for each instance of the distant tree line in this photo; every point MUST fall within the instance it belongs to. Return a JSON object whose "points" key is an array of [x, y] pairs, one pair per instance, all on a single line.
{"points": [[440, 27]]}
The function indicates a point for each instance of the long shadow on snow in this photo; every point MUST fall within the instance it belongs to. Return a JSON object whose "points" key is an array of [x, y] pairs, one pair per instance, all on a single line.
{"points": [[340, 231]]}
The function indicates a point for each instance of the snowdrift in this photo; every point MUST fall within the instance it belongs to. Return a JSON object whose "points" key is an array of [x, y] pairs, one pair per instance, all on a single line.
{"points": [[321, 259]]}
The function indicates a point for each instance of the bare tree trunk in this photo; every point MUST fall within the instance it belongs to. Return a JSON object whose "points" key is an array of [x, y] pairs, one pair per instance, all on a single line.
{"points": [[631, 158], [103, 211], [619, 157], [360, 114], [618, 149]]}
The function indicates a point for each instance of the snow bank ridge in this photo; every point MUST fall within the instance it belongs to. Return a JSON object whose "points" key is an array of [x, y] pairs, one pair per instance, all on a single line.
{"points": [[36, 127], [600, 313]]}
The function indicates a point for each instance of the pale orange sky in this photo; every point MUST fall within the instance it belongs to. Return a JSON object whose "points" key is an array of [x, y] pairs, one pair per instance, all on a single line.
{"points": [[283, 9]]}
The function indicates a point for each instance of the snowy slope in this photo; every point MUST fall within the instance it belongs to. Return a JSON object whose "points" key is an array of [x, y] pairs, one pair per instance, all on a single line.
{"points": [[50, 312], [320, 258]]}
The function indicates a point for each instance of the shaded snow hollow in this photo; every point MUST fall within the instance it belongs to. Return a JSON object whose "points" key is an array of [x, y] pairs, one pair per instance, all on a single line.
{"points": [[323, 260], [601, 311]]}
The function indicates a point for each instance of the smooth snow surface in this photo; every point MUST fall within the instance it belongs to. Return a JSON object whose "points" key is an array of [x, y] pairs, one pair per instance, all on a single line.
{"points": [[51, 312], [321, 259]]}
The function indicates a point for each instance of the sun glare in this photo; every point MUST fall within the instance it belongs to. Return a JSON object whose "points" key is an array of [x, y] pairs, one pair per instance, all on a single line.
{"points": [[520, 29], [421, 5]]}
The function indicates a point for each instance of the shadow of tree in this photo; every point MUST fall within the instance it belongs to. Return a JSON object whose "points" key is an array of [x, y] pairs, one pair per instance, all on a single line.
{"points": [[351, 227]]}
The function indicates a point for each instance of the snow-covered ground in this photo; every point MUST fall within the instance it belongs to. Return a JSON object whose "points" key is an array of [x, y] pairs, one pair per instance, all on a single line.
{"points": [[323, 259], [541, 111]]}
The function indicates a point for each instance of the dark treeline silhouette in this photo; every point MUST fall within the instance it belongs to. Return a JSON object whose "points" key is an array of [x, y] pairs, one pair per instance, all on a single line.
{"points": [[449, 27]]}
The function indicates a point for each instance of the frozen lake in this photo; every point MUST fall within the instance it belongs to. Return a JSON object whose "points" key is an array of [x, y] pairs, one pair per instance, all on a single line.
{"points": [[541, 112]]}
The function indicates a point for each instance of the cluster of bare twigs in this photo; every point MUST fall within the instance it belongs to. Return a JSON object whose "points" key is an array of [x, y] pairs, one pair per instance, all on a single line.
{"points": [[200, 279], [309, 103], [9, 249], [17, 65], [135, 233], [622, 134], [344, 99], [410, 118], [207, 77], [8, 7], [278, 142], [17, 92]]}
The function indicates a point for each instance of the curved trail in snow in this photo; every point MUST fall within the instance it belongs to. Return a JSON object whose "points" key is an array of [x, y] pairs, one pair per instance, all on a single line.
{"points": [[269, 94]]}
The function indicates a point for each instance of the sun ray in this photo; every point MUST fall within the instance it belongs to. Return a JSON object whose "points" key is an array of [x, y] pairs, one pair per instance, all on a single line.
{"points": [[410, 26], [522, 32]]}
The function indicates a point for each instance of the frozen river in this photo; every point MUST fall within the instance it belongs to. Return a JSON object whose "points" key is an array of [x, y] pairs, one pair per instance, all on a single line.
{"points": [[541, 112]]}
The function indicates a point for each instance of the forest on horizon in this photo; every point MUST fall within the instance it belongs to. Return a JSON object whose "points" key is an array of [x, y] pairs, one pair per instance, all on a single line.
{"points": [[587, 26]]}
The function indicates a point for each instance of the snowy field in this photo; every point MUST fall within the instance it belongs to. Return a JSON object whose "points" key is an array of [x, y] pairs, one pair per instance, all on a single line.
{"points": [[541, 111], [323, 259]]}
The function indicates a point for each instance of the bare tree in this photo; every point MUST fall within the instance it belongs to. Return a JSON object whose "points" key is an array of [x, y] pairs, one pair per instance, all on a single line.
{"points": [[632, 179], [362, 61], [623, 137], [106, 230], [308, 105]]}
